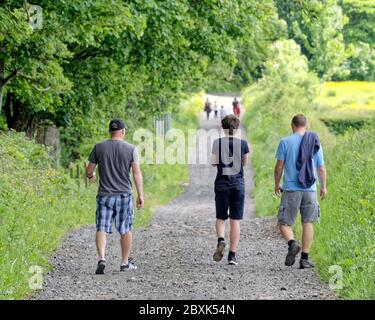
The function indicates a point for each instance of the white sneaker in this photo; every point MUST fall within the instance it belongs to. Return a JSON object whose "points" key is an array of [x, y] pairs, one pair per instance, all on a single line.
{"points": [[129, 266]]}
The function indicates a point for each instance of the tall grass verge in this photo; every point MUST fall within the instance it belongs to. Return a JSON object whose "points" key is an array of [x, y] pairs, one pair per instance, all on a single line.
{"points": [[345, 237], [39, 204]]}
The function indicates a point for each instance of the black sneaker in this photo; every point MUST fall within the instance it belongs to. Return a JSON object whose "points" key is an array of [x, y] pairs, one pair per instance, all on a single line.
{"points": [[129, 266], [100, 268], [232, 260], [293, 250], [305, 264], [219, 252]]}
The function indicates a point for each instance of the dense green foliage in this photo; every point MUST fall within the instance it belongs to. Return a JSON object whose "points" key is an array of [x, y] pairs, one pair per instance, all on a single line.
{"points": [[346, 234], [317, 27], [97, 59], [337, 36], [361, 25], [359, 36], [39, 204]]}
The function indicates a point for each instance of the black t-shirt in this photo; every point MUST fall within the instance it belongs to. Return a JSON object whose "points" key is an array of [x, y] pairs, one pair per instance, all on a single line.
{"points": [[229, 152]]}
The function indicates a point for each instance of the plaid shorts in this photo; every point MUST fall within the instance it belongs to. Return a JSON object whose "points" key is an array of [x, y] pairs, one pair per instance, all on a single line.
{"points": [[114, 208]]}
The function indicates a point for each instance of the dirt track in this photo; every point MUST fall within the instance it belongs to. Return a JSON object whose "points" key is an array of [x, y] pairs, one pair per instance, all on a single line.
{"points": [[174, 256]]}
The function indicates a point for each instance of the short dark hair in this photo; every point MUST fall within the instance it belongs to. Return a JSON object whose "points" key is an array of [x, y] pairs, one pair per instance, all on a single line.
{"points": [[299, 121], [231, 123]]}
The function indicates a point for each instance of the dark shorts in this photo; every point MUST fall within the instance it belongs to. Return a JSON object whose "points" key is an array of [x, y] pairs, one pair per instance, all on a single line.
{"points": [[294, 201], [118, 209], [231, 200]]}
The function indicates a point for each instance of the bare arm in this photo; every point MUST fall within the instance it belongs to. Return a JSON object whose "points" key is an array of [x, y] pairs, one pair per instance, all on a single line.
{"points": [[279, 167], [322, 173], [245, 157], [214, 161], [138, 180], [90, 171]]}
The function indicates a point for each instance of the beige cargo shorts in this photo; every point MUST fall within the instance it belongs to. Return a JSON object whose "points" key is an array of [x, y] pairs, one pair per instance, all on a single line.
{"points": [[293, 201]]}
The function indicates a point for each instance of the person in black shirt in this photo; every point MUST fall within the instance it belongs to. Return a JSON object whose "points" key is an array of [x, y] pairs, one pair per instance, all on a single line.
{"points": [[229, 155]]}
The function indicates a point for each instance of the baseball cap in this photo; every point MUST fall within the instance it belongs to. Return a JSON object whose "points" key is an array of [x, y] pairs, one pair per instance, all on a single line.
{"points": [[116, 124]]}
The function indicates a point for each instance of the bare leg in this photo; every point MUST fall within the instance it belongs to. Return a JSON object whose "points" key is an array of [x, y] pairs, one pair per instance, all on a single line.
{"points": [[220, 228], [101, 240], [234, 234], [126, 244], [307, 237], [286, 232], [220, 232]]}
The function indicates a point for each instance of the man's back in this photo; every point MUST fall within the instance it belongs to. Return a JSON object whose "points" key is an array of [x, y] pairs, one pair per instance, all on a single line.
{"points": [[114, 159], [229, 152], [288, 151], [300, 157]]}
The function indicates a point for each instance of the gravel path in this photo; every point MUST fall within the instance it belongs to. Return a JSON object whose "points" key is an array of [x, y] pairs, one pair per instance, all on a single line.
{"points": [[174, 256]]}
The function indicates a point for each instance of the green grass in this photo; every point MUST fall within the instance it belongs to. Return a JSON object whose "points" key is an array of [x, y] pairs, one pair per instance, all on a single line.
{"points": [[346, 105], [347, 100], [346, 235], [39, 204], [162, 184]]}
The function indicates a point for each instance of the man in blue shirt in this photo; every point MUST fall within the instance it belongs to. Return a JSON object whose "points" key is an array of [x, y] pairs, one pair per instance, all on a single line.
{"points": [[295, 197]]}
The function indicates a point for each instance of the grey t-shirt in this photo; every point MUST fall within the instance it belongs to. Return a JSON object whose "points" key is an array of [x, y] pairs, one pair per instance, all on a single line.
{"points": [[114, 159]]}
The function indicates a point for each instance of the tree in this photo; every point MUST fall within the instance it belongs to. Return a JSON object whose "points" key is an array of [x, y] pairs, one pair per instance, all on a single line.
{"points": [[96, 59], [359, 36], [287, 76], [317, 27], [255, 50], [31, 73]]}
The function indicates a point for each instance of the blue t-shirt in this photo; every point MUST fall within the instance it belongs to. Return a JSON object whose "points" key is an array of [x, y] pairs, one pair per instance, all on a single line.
{"points": [[288, 151], [229, 152]]}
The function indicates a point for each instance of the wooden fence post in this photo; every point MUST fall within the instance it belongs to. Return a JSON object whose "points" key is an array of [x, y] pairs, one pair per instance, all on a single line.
{"points": [[84, 174], [78, 176]]}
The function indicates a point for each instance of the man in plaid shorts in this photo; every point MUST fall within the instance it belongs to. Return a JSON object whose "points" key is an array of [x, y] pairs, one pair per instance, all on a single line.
{"points": [[115, 158]]}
